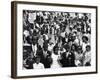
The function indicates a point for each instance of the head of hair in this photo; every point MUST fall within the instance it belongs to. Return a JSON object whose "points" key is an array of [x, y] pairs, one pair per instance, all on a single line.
{"points": [[85, 38]]}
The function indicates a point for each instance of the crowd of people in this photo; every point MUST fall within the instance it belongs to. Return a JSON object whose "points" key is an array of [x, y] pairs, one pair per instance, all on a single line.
{"points": [[53, 39]]}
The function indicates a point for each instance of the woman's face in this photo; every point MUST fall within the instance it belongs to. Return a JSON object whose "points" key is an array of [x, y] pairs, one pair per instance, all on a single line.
{"points": [[87, 48], [73, 47], [84, 40], [37, 60]]}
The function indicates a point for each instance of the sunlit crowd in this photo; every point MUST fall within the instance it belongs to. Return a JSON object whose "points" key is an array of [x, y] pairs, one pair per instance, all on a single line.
{"points": [[53, 39]]}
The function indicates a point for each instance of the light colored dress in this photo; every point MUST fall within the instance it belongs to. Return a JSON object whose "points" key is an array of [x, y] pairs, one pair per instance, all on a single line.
{"points": [[55, 63], [78, 58], [87, 58]]}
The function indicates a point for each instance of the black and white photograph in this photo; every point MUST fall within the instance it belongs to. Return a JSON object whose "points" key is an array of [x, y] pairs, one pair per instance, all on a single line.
{"points": [[53, 39]]}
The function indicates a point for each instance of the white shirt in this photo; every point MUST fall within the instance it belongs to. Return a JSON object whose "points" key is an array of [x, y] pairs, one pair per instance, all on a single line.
{"points": [[76, 41], [40, 41], [46, 36], [50, 47], [34, 48], [38, 66], [63, 34], [57, 26], [26, 33]]}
